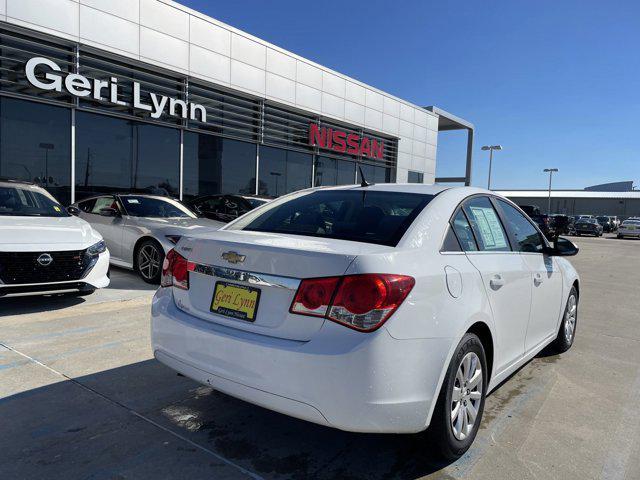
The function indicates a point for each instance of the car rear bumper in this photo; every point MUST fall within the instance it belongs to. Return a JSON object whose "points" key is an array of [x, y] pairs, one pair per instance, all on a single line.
{"points": [[340, 378]]}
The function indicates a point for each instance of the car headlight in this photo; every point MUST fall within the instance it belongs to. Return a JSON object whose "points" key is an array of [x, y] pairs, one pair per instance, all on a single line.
{"points": [[173, 238], [97, 248]]}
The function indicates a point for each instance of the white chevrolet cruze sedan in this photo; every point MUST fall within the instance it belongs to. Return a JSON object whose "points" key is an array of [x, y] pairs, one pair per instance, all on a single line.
{"points": [[43, 248], [384, 308]]}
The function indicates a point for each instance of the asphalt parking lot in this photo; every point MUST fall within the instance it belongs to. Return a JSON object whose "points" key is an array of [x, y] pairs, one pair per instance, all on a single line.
{"points": [[82, 397]]}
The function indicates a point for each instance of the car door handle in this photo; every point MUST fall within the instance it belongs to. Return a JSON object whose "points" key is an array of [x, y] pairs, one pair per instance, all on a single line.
{"points": [[537, 279], [496, 282]]}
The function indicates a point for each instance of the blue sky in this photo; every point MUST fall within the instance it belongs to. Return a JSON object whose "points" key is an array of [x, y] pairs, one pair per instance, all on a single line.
{"points": [[557, 83]]}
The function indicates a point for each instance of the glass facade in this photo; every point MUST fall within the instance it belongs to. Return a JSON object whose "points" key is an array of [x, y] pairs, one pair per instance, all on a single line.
{"points": [[127, 127], [375, 174], [283, 171], [415, 177], [218, 165], [35, 145], [117, 155]]}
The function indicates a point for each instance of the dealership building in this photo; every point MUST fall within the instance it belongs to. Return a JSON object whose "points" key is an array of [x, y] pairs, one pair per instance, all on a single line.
{"points": [[149, 96]]}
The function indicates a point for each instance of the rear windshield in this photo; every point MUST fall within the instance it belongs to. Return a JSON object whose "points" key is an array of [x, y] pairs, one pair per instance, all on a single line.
{"points": [[357, 215]]}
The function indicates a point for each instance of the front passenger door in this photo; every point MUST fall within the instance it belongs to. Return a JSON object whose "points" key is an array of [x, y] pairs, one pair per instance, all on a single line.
{"points": [[546, 277], [109, 227], [506, 278]]}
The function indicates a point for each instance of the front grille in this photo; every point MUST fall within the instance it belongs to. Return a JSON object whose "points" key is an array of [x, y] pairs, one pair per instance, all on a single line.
{"points": [[23, 267]]}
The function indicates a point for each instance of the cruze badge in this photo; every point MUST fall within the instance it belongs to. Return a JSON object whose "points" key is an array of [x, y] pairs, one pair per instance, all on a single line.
{"points": [[45, 259], [233, 257]]}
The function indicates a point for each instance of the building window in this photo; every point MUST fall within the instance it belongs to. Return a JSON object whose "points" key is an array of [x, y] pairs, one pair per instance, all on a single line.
{"points": [[115, 155], [375, 174], [330, 171], [217, 165], [283, 171], [35, 145], [415, 177]]}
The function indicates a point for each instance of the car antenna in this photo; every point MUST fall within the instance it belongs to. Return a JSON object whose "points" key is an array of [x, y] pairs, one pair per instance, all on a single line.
{"points": [[363, 181]]}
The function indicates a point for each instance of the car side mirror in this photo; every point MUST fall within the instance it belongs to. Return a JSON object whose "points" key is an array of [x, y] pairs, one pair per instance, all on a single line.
{"points": [[108, 212], [73, 210], [564, 247]]}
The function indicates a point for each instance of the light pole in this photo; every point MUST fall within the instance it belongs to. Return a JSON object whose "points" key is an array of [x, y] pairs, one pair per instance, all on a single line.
{"points": [[550, 170], [491, 148]]}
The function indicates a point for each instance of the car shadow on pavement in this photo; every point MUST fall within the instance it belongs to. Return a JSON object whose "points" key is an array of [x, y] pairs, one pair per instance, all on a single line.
{"points": [[112, 425], [26, 304]]}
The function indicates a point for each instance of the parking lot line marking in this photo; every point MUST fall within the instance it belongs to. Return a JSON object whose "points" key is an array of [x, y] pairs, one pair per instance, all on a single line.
{"points": [[139, 415], [618, 456]]}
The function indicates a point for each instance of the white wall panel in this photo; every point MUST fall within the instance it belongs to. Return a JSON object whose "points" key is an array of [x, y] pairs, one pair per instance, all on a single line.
{"points": [[404, 159], [281, 88], [164, 18], [406, 129], [402, 175], [432, 122], [210, 64], [309, 75], [390, 124], [59, 15], [420, 133], [333, 84], [374, 100], [372, 118], [127, 9], [210, 36], [431, 151], [282, 64], [432, 137], [247, 77], [407, 112], [419, 148], [163, 48], [3, 7], [109, 30], [355, 93], [405, 144], [354, 112], [307, 97], [391, 107], [248, 51], [332, 105], [420, 117]]}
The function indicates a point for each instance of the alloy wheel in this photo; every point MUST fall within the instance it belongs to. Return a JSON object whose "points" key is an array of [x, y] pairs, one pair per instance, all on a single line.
{"points": [[570, 318], [149, 262], [466, 396]]}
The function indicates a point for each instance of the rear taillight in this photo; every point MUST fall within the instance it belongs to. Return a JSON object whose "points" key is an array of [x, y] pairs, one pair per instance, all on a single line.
{"points": [[362, 302], [175, 271]]}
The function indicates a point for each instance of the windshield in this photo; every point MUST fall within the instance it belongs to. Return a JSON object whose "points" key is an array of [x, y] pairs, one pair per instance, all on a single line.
{"points": [[631, 222], [140, 206], [28, 201], [357, 215]]}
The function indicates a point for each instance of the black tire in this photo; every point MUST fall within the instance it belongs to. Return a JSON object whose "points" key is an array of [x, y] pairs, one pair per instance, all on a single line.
{"points": [[441, 433], [566, 333], [150, 274], [619, 236]]}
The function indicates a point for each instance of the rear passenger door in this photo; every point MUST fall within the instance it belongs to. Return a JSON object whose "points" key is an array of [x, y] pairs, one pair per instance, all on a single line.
{"points": [[546, 277], [506, 278]]}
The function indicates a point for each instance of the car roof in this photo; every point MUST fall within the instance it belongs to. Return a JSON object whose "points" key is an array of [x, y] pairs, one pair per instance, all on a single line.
{"points": [[13, 181], [428, 189]]}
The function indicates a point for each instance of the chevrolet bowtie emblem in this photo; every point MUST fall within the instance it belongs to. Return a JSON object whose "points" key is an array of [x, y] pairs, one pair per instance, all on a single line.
{"points": [[233, 257]]}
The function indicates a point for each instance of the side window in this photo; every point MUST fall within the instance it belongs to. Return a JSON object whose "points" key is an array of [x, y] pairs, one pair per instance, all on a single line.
{"points": [[450, 243], [464, 233], [527, 237], [102, 202], [87, 205], [486, 225]]}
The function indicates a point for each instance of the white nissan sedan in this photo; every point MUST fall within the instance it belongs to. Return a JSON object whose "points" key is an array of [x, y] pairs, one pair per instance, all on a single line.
{"points": [[384, 308]]}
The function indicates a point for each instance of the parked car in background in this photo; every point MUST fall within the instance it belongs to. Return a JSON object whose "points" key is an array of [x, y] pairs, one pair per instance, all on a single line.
{"points": [[606, 224], [629, 228], [45, 249], [588, 226], [563, 224], [352, 307], [140, 229], [224, 208], [615, 221], [543, 221]]}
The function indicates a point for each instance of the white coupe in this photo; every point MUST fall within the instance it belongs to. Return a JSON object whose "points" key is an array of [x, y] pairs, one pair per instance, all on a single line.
{"points": [[382, 308]]}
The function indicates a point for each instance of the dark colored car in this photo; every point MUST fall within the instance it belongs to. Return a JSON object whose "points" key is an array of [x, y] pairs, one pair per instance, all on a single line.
{"points": [[224, 208], [543, 221], [588, 226], [563, 224], [606, 224]]}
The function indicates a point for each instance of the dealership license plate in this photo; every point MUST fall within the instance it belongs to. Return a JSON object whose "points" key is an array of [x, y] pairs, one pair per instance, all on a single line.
{"points": [[236, 301]]}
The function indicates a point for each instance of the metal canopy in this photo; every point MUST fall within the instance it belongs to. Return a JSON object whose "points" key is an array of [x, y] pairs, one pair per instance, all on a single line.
{"points": [[446, 122]]}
